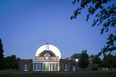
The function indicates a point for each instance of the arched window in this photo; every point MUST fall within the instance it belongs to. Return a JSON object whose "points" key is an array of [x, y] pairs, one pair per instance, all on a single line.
{"points": [[47, 56]]}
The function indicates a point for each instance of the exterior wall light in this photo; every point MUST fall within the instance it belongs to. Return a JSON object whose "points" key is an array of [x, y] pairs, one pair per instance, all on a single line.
{"points": [[76, 60]]}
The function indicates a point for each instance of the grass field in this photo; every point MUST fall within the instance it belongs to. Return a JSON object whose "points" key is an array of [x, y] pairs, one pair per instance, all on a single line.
{"points": [[8, 73]]}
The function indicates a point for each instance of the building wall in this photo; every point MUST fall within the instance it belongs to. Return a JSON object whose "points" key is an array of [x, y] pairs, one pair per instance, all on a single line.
{"points": [[62, 64], [71, 63], [50, 58], [28, 62]]}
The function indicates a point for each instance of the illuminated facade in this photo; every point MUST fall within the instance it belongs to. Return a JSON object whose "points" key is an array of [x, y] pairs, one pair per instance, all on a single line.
{"points": [[48, 58]]}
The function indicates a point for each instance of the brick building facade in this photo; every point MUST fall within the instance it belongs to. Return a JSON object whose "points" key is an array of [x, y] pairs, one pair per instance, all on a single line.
{"points": [[66, 65], [48, 58], [25, 65]]}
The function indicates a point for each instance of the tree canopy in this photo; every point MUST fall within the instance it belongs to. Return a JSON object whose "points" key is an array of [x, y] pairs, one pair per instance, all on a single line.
{"points": [[96, 60], [1, 55], [84, 60], [11, 62], [108, 60], [104, 16]]}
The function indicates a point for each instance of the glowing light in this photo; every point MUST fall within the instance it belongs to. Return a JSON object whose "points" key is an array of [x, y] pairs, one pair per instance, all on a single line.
{"points": [[53, 48], [76, 60]]}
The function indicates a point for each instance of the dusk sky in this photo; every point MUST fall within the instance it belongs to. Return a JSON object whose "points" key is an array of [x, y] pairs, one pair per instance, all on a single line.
{"points": [[25, 25]]}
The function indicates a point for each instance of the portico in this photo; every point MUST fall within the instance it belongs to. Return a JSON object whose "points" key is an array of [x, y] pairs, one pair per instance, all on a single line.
{"points": [[45, 65]]}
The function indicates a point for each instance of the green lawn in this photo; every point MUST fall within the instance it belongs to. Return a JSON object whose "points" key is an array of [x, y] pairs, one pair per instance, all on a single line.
{"points": [[7, 73]]}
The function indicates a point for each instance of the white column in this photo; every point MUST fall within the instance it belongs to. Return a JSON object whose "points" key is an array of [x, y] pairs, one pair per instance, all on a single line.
{"points": [[49, 66], [58, 66], [46, 66]]}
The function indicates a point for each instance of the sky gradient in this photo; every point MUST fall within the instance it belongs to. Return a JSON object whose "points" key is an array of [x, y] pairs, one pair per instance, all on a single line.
{"points": [[25, 25]]}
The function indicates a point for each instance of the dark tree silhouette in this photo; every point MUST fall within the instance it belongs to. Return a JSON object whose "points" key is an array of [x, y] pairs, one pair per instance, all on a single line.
{"points": [[11, 62], [106, 17], [108, 61], [96, 60], [114, 61], [84, 60], [1, 56]]}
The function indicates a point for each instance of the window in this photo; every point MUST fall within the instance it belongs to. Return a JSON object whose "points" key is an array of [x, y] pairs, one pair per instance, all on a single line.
{"points": [[38, 66], [25, 67], [47, 58], [56, 66], [34, 66], [53, 66], [73, 68], [41, 66], [65, 67], [47, 66], [44, 67], [46, 55]]}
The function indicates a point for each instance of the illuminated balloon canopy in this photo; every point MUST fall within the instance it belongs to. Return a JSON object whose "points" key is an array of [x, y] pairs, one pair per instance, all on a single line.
{"points": [[53, 48]]}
